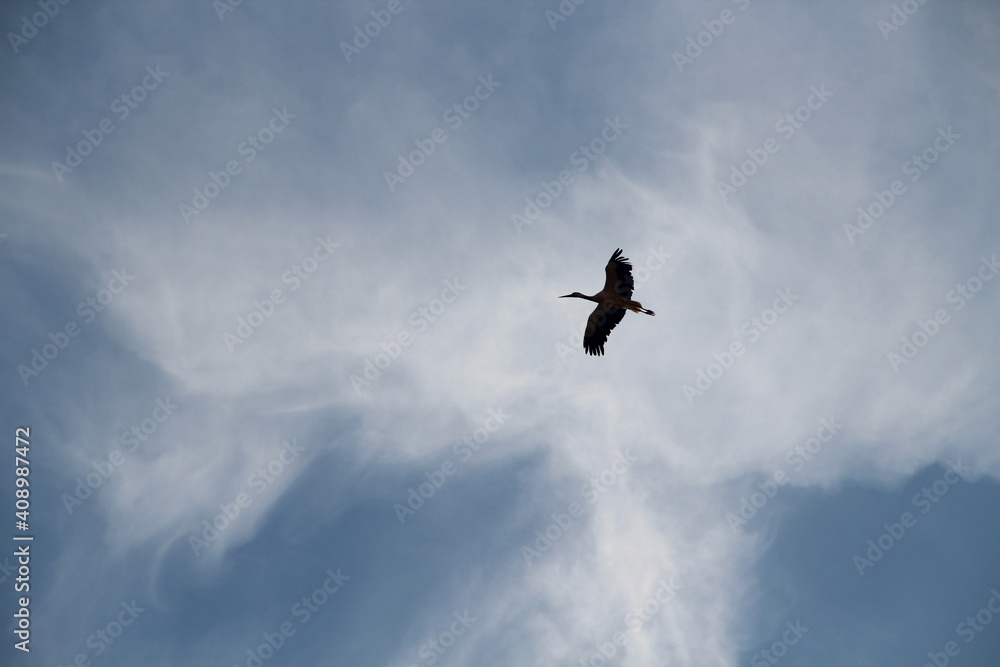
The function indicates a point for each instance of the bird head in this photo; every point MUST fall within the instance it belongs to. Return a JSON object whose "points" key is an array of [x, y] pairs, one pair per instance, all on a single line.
{"points": [[574, 294]]}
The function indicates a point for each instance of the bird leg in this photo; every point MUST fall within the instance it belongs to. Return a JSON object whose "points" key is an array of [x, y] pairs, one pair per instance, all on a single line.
{"points": [[636, 307]]}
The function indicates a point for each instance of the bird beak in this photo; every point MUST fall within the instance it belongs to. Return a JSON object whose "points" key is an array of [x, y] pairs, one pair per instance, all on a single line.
{"points": [[565, 295]]}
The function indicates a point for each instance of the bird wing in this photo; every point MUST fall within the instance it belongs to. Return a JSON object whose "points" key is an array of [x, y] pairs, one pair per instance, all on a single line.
{"points": [[600, 323], [618, 275]]}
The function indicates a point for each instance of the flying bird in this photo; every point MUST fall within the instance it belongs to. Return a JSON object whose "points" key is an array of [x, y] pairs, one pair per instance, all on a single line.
{"points": [[612, 302]]}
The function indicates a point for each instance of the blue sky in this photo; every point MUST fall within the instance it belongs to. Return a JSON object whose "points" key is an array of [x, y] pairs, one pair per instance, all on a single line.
{"points": [[281, 315]]}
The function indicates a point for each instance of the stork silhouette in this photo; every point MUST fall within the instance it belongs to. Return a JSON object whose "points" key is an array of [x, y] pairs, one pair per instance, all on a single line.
{"points": [[612, 303]]}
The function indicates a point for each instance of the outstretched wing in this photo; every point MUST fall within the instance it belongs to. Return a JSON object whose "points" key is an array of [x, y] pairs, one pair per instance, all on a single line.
{"points": [[600, 323], [618, 275]]}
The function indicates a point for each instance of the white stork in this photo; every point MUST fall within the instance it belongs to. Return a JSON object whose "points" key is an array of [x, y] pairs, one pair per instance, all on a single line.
{"points": [[612, 302]]}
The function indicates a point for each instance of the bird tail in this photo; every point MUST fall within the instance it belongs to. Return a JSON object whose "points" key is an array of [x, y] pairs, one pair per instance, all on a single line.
{"points": [[636, 307]]}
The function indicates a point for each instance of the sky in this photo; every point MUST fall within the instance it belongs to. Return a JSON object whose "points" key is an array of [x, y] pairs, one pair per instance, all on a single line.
{"points": [[282, 333]]}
